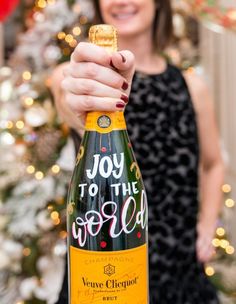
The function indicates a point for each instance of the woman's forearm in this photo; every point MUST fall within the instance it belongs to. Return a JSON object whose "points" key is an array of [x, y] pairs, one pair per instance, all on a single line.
{"points": [[212, 179]]}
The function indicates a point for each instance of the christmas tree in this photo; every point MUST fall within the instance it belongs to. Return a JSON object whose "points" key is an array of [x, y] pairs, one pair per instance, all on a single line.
{"points": [[36, 155]]}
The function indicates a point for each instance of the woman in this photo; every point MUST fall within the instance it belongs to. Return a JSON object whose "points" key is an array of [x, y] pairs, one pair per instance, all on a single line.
{"points": [[171, 125]]}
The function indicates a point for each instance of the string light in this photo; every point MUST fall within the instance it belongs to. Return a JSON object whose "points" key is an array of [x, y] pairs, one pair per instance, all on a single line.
{"points": [[9, 125], [69, 38], [20, 124], [30, 169], [220, 231], [41, 3], [54, 215], [224, 243], [56, 222], [226, 188], [50, 207], [61, 35], [56, 169], [26, 251], [20, 302], [28, 101], [39, 175], [76, 31], [209, 271], [83, 20], [216, 242], [73, 43], [230, 203], [229, 249], [26, 75]]}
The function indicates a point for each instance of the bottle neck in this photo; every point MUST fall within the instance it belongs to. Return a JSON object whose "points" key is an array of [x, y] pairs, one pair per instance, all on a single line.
{"points": [[105, 122]]}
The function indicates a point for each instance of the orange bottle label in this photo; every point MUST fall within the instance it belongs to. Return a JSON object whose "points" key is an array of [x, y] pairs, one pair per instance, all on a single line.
{"points": [[118, 277], [105, 122]]}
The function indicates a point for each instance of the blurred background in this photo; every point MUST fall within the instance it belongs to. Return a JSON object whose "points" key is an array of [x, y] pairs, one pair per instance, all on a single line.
{"points": [[37, 154]]}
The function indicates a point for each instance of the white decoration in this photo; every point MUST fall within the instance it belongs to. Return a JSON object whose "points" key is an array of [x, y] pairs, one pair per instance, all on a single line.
{"points": [[52, 277], [52, 54], [44, 221], [67, 158], [27, 287], [36, 116], [60, 248], [5, 260], [6, 138], [43, 263], [13, 249]]}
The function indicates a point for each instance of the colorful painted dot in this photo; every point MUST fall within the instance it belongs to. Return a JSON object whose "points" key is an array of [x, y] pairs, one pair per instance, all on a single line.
{"points": [[104, 149], [103, 244], [139, 235], [129, 145]]}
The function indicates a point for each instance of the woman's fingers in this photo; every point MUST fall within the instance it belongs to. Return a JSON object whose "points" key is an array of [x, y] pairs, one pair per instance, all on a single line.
{"points": [[91, 70], [81, 103], [88, 52], [96, 80], [81, 86], [124, 62]]}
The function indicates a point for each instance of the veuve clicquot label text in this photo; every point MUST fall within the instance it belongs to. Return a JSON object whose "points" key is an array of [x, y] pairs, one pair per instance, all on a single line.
{"points": [[107, 218]]}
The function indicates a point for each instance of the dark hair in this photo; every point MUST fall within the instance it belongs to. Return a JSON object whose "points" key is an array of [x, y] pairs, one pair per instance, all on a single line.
{"points": [[162, 25]]}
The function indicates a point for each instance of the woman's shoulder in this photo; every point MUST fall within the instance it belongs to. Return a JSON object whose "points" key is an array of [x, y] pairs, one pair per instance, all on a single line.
{"points": [[198, 88]]}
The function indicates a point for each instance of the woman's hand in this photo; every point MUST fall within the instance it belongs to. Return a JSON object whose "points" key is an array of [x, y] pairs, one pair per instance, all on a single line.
{"points": [[97, 81], [204, 246]]}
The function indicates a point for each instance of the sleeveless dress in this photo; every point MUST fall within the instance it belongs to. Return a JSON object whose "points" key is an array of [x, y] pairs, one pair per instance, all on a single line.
{"points": [[162, 128]]}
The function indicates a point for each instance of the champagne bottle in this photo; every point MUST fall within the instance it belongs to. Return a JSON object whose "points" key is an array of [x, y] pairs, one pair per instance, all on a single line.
{"points": [[107, 210]]}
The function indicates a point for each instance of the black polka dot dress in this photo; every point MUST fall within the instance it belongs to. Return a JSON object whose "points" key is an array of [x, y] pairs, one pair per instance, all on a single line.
{"points": [[162, 128]]}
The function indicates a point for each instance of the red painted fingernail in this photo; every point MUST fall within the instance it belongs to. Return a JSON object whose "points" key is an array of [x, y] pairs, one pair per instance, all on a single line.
{"points": [[124, 98], [111, 64], [123, 58], [120, 105], [125, 85]]}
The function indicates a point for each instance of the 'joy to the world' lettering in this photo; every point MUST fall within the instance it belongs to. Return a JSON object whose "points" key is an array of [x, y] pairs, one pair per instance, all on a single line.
{"points": [[106, 166], [93, 221]]}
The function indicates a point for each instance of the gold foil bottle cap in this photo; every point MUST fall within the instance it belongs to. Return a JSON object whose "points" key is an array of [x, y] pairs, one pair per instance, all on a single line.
{"points": [[104, 35]]}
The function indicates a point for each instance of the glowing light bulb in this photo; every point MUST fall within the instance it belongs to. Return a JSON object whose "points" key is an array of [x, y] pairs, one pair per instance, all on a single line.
{"points": [[210, 271], [20, 124], [61, 35], [30, 169], [26, 251], [229, 249], [39, 175], [54, 215], [226, 188], [76, 31], [220, 231], [56, 169], [28, 101], [230, 203], [26, 75], [216, 242], [69, 38]]}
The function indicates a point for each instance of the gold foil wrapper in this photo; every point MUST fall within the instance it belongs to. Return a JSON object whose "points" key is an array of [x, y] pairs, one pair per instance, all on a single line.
{"points": [[104, 35]]}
